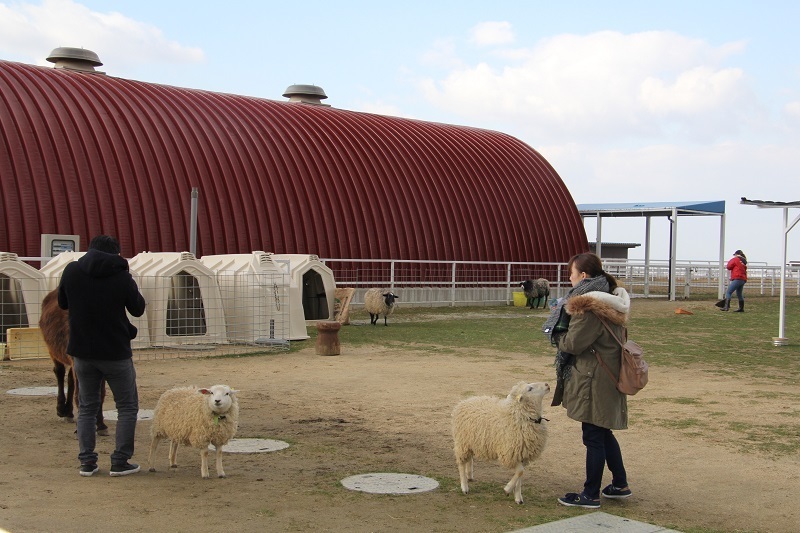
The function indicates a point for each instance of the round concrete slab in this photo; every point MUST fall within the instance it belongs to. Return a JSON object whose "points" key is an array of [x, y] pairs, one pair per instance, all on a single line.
{"points": [[144, 414], [254, 446], [34, 391], [387, 483]]}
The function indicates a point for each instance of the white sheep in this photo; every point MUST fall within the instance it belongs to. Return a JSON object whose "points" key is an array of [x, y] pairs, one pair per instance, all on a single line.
{"points": [[510, 430], [195, 417], [379, 302]]}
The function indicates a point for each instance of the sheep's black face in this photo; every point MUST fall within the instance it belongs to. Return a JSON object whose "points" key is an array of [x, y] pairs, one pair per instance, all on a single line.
{"points": [[389, 299], [527, 284]]}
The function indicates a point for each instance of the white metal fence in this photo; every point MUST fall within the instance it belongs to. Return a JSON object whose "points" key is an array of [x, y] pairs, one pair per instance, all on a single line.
{"points": [[452, 283]]}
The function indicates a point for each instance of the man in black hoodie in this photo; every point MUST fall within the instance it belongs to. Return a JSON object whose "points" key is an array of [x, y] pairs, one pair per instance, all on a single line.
{"points": [[97, 289]]}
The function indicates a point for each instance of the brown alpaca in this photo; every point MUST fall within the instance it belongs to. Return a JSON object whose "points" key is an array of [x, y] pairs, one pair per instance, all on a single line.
{"points": [[54, 325]]}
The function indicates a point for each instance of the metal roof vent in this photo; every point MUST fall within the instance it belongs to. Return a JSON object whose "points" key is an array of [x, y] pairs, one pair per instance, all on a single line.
{"points": [[74, 59], [306, 94]]}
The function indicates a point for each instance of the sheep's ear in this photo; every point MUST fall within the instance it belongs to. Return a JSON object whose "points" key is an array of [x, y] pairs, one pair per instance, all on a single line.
{"points": [[204, 391], [519, 397]]}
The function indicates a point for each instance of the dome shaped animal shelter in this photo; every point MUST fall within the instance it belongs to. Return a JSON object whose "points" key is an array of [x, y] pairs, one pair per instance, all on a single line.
{"points": [[21, 293], [184, 305], [52, 277], [255, 297], [87, 153]]}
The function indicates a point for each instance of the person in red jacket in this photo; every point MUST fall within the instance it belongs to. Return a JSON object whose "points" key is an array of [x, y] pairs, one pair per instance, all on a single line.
{"points": [[738, 267]]}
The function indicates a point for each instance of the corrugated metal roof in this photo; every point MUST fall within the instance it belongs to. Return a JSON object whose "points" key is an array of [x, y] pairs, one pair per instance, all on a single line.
{"points": [[86, 153], [653, 208]]}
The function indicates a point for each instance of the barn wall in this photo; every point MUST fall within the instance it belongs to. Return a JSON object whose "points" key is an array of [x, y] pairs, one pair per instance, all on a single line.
{"points": [[86, 153]]}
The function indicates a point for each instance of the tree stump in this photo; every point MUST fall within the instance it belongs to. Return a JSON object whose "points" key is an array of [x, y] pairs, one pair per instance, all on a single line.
{"points": [[328, 337]]}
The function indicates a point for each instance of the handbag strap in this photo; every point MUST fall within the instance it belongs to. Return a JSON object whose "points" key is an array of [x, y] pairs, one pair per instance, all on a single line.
{"points": [[600, 359]]}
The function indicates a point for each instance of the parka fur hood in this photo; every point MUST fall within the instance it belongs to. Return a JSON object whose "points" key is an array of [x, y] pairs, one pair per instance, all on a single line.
{"points": [[614, 308], [590, 395]]}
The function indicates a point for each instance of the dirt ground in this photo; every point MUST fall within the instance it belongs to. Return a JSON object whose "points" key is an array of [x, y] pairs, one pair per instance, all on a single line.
{"points": [[373, 410]]}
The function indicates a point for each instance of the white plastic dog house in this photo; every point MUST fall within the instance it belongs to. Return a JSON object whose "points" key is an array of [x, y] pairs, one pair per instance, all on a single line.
{"points": [[52, 277], [254, 293], [21, 293], [312, 290], [183, 300]]}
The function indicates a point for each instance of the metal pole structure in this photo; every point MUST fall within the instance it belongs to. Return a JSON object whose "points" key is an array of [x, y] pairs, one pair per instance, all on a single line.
{"points": [[673, 250], [781, 340], [721, 280], [193, 224], [647, 256], [598, 245]]}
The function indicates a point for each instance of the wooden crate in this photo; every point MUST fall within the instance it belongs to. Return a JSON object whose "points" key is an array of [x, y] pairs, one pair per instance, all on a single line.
{"points": [[25, 343]]}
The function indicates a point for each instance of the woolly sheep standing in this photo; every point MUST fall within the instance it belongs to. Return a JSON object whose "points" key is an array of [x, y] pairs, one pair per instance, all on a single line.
{"points": [[195, 417], [510, 430], [536, 291], [379, 302]]}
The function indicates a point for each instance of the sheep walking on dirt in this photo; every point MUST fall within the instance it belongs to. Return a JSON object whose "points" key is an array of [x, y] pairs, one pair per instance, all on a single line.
{"points": [[54, 326], [195, 417], [536, 291], [379, 302], [511, 430]]}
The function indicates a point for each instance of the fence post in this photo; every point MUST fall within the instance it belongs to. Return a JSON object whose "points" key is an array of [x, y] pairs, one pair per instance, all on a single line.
{"points": [[453, 286], [508, 284]]}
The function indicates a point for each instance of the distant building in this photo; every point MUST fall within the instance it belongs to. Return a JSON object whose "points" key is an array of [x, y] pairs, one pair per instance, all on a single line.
{"points": [[613, 250]]}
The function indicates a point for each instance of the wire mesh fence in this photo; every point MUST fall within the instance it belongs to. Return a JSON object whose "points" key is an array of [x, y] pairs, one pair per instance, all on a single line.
{"points": [[228, 313]]}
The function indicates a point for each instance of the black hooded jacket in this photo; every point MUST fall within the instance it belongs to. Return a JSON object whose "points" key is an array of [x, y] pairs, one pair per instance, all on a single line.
{"points": [[97, 289]]}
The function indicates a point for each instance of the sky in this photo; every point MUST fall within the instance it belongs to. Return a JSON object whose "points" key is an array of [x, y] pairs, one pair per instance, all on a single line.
{"points": [[629, 101]]}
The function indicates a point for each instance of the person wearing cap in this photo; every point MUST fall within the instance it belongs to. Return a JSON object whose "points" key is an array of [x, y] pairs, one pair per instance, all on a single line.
{"points": [[738, 267], [97, 289]]}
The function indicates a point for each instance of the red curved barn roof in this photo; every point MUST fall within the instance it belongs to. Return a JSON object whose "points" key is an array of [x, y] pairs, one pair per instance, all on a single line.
{"points": [[87, 153]]}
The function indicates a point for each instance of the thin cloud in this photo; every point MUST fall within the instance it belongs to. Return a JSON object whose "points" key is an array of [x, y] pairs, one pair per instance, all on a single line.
{"points": [[492, 33], [655, 85], [30, 31]]}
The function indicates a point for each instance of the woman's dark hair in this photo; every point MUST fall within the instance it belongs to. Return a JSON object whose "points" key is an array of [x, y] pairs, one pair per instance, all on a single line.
{"points": [[593, 266], [105, 243]]}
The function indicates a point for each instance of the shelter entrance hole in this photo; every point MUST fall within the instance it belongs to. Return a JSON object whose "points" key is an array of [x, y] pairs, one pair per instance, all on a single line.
{"points": [[186, 315], [13, 312], [315, 301]]}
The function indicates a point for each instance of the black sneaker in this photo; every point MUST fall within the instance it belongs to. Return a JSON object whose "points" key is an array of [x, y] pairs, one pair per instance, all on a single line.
{"points": [[88, 469], [123, 470], [573, 499], [616, 493]]}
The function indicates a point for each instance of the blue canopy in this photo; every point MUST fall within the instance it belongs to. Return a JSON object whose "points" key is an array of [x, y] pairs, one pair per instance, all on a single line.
{"points": [[653, 209]]}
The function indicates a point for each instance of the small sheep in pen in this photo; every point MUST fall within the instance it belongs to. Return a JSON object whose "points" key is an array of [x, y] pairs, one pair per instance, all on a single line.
{"points": [[511, 430], [195, 417], [379, 302], [536, 291]]}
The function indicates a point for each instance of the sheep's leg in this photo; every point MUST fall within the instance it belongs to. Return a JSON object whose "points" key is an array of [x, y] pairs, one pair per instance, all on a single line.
{"points": [[373, 319], [220, 471], [173, 454], [204, 463], [515, 484], [463, 468], [152, 457], [385, 318], [470, 469]]}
